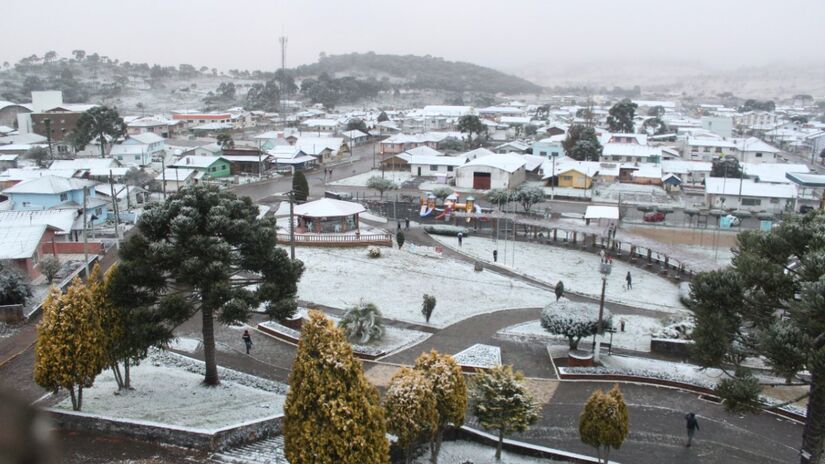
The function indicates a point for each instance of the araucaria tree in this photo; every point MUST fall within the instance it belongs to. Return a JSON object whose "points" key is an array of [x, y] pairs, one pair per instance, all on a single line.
{"points": [[70, 349], [204, 250], [450, 394], [471, 124], [620, 117], [332, 414], [502, 403], [573, 320], [410, 408], [98, 123], [769, 303], [603, 424]]}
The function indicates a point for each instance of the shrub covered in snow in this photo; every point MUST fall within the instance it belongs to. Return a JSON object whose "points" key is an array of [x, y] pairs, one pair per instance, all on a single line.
{"points": [[362, 323], [681, 330], [573, 320], [374, 252]]}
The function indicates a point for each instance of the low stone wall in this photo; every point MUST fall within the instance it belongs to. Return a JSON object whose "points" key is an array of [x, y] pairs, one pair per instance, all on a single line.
{"points": [[11, 313], [208, 440], [294, 340], [517, 447]]}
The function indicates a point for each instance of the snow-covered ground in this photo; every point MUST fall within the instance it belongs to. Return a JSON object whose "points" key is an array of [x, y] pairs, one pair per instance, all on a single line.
{"points": [[633, 194], [170, 394], [463, 452], [394, 338], [637, 334], [397, 281], [667, 370], [479, 355], [578, 270], [190, 345], [360, 180]]}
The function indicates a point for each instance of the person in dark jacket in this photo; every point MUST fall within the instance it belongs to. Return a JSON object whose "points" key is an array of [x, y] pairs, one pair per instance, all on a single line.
{"points": [[407, 223], [460, 237], [692, 427], [247, 340], [629, 281]]}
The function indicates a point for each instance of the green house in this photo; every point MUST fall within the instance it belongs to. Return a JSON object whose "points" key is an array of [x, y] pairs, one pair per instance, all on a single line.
{"points": [[211, 166]]}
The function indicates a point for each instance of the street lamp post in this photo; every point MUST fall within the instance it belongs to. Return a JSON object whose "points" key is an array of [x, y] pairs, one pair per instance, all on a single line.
{"points": [[605, 266]]}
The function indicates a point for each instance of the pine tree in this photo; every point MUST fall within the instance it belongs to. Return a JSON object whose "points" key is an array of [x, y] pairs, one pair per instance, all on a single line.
{"points": [[603, 423], [428, 306], [410, 408], [559, 290], [502, 403], [332, 414], [70, 348], [188, 256], [450, 394], [300, 187], [400, 238]]}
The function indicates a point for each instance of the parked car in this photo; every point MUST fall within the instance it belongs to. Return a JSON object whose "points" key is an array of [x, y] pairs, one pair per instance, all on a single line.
{"points": [[654, 216], [734, 221], [805, 209]]}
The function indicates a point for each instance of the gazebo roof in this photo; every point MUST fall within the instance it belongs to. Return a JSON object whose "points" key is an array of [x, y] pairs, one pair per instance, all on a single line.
{"points": [[328, 207]]}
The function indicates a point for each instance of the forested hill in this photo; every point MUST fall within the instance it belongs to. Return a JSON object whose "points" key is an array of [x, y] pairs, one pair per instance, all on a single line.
{"points": [[419, 72]]}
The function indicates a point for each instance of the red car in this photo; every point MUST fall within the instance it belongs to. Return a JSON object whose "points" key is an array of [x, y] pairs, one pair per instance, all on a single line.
{"points": [[654, 216]]}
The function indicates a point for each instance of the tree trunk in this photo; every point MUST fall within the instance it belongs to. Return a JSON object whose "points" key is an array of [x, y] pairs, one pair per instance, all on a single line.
{"points": [[499, 445], [79, 397], [118, 377], [74, 399], [606, 454], [435, 446], [211, 377], [128, 380], [102, 145], [813, 436]]}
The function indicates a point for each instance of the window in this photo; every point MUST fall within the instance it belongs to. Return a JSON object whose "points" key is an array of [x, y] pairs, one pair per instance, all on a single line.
{"points": [[751, 202], [774, 201], [567, 178], [213, 169], [555, 153], [542, 153], [433, 167], [98, 212], [64, 196], [26, 204], [450, 168], [718, 149], [137, 157], [759, 155], [223, 167]]}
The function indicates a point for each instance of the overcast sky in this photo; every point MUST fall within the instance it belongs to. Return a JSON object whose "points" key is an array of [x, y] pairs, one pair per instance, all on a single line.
{"points": [[505, 34]]}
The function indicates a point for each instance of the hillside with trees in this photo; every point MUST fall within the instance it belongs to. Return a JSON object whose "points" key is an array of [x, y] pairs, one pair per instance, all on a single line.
{"points": [[419, 72]]}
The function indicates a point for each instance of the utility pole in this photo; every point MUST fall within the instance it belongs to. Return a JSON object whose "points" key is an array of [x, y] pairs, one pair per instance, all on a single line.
{"points": [[292, 224], [163, 175], [283, 40], [116, 209], [48, 123], [85, 235]]}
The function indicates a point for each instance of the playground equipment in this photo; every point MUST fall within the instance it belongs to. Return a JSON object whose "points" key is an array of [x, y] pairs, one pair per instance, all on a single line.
{"points": [[451, 203]]}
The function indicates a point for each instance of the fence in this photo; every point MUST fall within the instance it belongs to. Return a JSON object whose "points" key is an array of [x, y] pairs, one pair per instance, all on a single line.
{"points": [[337, 240]]}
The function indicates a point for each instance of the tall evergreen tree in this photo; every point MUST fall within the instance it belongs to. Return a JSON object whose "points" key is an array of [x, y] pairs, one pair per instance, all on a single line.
{"points": [[332, 414], [300, 187], [204, 250], [620, 117], [70, 348], [603, 423], [502, 403], [582, 143], [769, 303], [450, 394], [98, 123], [410, 407], [471, 124]]}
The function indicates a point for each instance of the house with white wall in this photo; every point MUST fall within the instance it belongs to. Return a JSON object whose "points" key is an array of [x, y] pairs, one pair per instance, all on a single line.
{"points": [[749, 195], [500, 170]]}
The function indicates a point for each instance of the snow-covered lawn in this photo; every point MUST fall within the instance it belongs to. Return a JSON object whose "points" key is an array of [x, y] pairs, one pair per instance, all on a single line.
{"points": [[637, 334], [170, 394], [190, 345], [462, 452], [394, 338], [397, 281], [578, 270], [479, 355], [654, 368], [360, 180]]}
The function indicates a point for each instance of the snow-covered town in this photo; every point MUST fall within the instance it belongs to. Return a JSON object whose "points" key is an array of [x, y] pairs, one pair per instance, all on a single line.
{"points": [[386, 257]]}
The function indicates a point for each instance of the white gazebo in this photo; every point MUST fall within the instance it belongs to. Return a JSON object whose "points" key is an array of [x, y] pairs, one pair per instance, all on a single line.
{"points": [[328, 215]]}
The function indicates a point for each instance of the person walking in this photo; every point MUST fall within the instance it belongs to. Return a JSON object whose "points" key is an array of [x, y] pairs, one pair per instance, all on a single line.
{"points": [[247, 340], [629, 281], [398, 225], [460, 237], [495, 256], [406, 223], [692, 427]]}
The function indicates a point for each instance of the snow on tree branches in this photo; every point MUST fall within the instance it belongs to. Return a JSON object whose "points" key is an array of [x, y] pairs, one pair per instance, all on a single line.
{"points": [[410, 408], [573, 320]]}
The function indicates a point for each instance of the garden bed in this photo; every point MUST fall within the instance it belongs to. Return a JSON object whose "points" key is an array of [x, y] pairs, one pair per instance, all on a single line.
{"points": [[478, 356]]}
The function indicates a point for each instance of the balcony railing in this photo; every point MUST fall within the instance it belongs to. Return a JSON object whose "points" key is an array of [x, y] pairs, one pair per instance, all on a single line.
{"points": [[338, 240]]}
